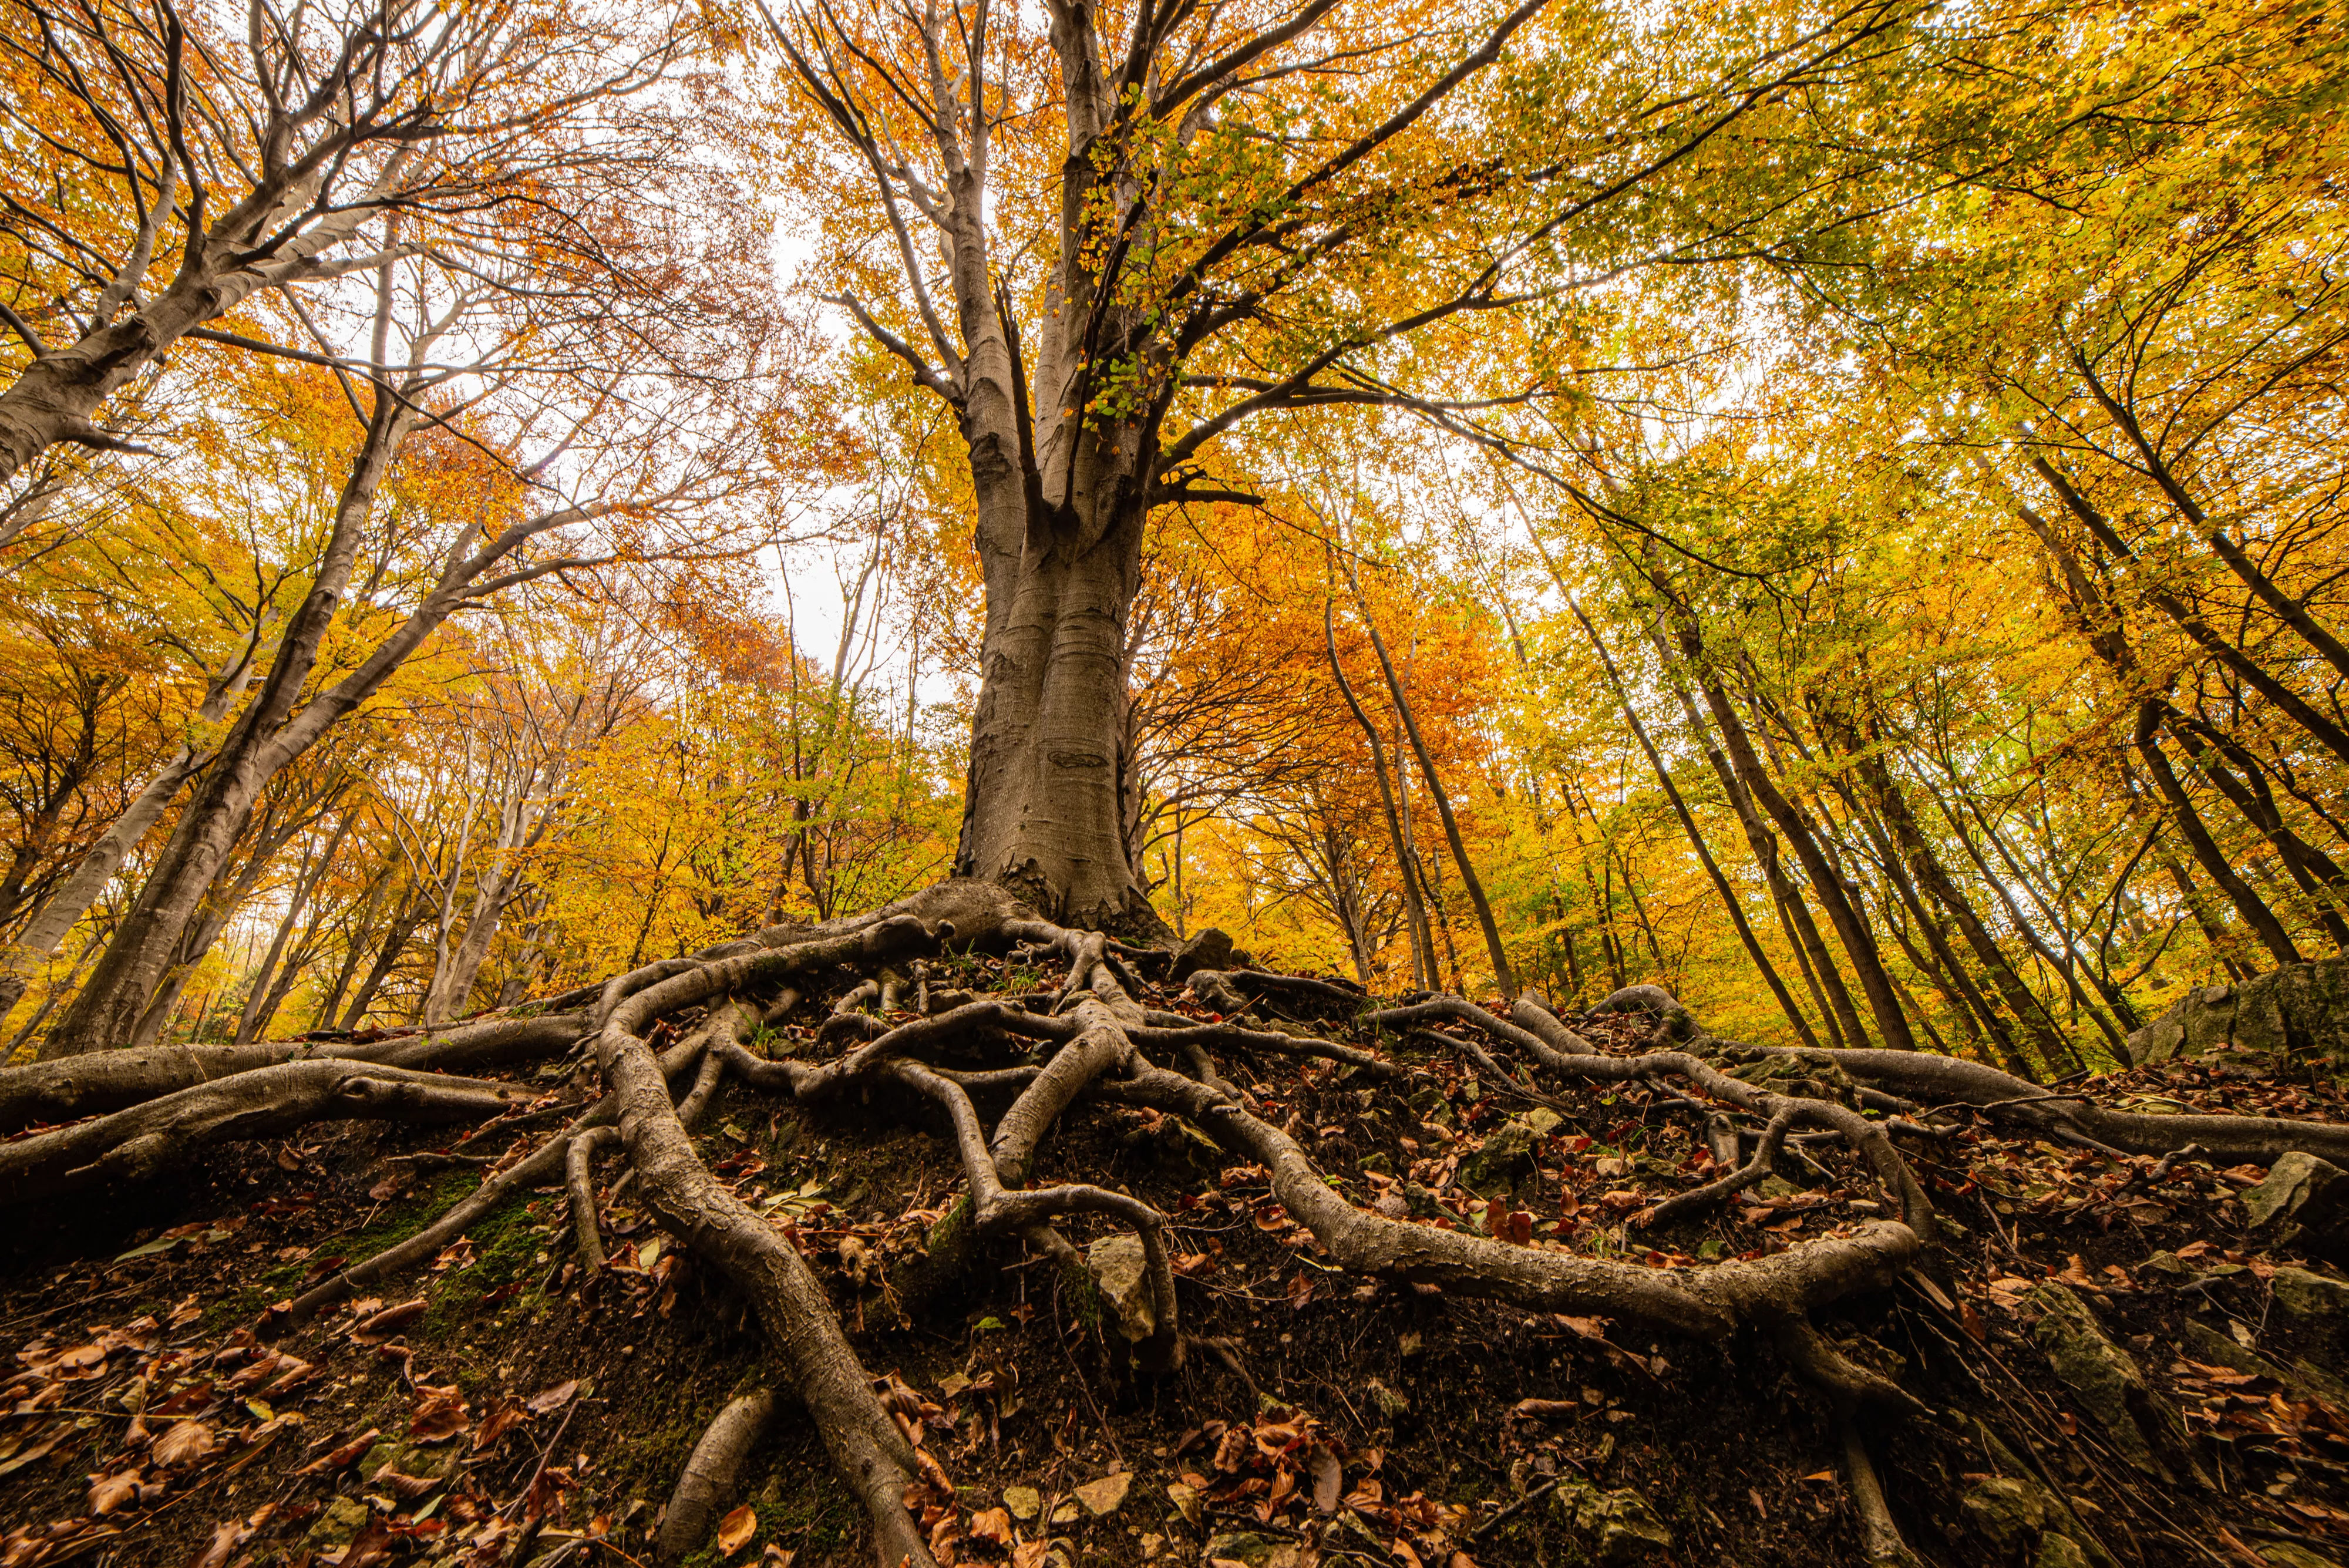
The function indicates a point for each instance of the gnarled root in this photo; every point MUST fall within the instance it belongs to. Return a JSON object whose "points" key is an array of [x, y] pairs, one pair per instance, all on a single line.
{"points": [[709, 1478]]}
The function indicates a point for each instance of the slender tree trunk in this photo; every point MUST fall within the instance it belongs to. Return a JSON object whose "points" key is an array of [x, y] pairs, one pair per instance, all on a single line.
{"points": [[1422, 946], [2310, 867], [1874, 983], [110, 1003], [2253, 674], [1820, 975], [1502, 977], [1730, 902], [2255, 913], [65, 907], [2290, 611], [408, 915], [1913, 847]]}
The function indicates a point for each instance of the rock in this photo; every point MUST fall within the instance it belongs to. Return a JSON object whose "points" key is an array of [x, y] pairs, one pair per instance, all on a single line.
{"points": [[2284, 1554], [339, 1525], [1024, 1502], [2306, 1294], [1507, 1158], [1543, 1120], [1119, 1274], [1210, 948], [1106, 1495], [2010, 1514], [1251, 1550], [2060, 1552], [2302, 1193], [2143, 1427], [2300, 1010], [1617, 1527]]}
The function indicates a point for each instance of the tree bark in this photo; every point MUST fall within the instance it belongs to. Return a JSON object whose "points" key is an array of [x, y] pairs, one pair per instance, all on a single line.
{"points": [[1422, 943]]}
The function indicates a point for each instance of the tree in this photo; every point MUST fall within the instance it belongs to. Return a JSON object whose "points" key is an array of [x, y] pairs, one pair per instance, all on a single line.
{"points": [[314, 144], [1248, 213]]}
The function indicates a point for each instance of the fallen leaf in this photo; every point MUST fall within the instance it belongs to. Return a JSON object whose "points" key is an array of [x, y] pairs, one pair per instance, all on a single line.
{"points": [[1328, 1479], [504, 1420], [375, 1330], [183, 1442], [108, 1493], [735, 1530], [441, 1414], [994, 1524], [554, 1398], [39, 1449], [336, 1458], [1105, 1495]]}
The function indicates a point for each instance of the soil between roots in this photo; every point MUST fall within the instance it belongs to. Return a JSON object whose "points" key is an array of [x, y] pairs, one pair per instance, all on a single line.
{"points": [[1417, 1391]]}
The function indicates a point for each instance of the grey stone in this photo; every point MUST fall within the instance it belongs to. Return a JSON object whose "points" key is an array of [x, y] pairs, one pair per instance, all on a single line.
{"points": [[1506, 1158], [2306, 1295], [2285, 1554], [1255, 1551], [1617, 1527], [2298, 1009], [1119, 1274], [338, 1525], [2301, 1192], [2060, 1552], [2010, 1514], [1210, 948], [2143, 1427]]}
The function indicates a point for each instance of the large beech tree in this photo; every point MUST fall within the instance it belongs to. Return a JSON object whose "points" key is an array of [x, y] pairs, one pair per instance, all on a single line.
{"points": [[1107, 237]]}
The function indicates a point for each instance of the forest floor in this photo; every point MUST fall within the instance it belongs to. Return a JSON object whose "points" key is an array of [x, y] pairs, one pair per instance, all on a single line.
{"points": [[502, 1408]]}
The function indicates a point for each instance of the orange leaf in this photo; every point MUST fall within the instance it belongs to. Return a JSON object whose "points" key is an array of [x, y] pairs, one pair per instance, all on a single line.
{"points": [[735, 1530]]}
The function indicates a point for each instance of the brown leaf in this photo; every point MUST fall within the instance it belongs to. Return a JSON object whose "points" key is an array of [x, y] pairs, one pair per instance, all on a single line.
{"points": [[1030, 1553], [337, 1457], [735, 1530], [504, 1420], [108, 1493], [554, 1398], [183, 1443], [226, 1538], [388, 1322], [1328, 1479], [995, 1525], [1551, 1409], [441, 1414]]}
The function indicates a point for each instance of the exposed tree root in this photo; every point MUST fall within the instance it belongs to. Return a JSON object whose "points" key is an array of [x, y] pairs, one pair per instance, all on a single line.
{"points": [[711, 1475], [105, 1081], [136, 1145], [1092, 1043]]}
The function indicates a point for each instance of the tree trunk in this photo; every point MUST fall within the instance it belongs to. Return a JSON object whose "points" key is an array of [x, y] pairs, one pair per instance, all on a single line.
{"points": [[1422, 943], [65, 907], [1045, 810], [1730, 902], [1484, 907], [110, 1003], [2255, 913]]}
